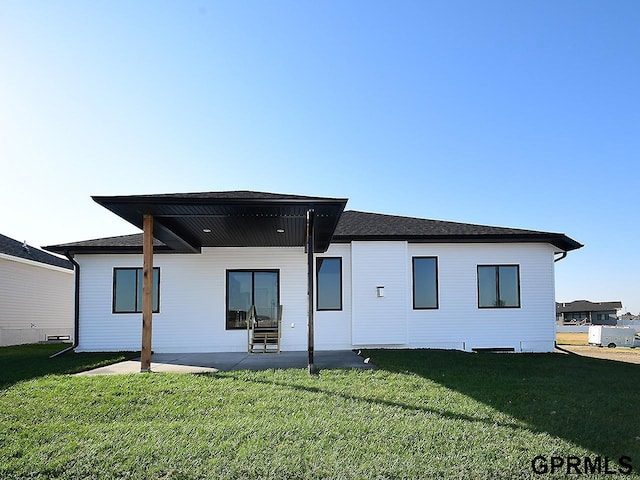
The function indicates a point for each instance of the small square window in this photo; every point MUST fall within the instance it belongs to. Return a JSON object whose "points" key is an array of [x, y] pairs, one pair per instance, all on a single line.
{"points": [[498, 286], [127, 290]]}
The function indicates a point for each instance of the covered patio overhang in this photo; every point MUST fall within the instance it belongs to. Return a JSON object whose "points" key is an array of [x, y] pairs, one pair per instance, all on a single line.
{"points": [[188, 222]]}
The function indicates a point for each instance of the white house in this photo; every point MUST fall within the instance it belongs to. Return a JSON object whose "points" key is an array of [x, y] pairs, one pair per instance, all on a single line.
{"points": [[36, 294], [376, 280]]}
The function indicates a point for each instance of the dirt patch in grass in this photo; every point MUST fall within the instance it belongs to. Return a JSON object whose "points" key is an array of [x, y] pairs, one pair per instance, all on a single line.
{"points": [[570, 338], [629, 355]]}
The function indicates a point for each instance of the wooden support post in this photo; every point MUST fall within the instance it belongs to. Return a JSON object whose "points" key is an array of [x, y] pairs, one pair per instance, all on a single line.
{"points": [[147, 293], [310, 287]]}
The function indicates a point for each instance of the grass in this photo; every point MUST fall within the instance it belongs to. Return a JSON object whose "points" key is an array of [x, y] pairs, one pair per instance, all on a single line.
{"points": [[22, 362], [422, 414]]}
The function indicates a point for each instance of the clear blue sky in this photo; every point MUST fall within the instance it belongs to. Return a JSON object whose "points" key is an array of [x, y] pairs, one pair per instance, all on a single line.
{"points": [[522, 114]]}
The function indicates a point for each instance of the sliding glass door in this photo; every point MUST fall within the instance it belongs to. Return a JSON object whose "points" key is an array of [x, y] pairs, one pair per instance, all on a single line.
{"points": [[252, 287]]}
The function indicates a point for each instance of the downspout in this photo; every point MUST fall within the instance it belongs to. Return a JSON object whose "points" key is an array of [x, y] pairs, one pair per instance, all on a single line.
{"points": [[310, 288], [76, 312], [564, 255]]}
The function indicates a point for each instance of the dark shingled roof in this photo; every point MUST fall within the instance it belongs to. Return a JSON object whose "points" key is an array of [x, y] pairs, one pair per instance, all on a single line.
{"points": [[367, 224], [587, 306], [355, 225], [121, 244], [14, 248]]}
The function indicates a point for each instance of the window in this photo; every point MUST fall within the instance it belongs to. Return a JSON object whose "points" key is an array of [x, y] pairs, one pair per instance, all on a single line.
{"points": [[127, 290], [576, 317], [329, 283], [252, 287], [498, 286], [425, 283]]}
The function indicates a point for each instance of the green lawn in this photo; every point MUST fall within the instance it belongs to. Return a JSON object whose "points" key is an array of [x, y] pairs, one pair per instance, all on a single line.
{"points": [[422, 414], [23, 362]]}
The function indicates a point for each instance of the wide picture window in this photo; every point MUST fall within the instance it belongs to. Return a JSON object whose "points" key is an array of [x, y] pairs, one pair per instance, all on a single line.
{"points": [[498, 286], [127, 290]]}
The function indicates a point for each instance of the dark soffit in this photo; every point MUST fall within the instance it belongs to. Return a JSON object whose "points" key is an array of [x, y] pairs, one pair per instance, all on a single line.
{"points": [[188, 222]]}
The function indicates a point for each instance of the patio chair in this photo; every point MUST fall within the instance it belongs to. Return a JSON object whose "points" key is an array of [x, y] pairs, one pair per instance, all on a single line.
{"points": [[263, 339]]}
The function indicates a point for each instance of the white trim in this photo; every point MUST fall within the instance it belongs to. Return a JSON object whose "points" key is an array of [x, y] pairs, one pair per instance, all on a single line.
{"points": [[34, 263]]}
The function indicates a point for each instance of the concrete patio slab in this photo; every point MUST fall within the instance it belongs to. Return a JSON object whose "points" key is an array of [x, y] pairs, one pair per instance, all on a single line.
{"points": [[133, 366], [228, 361]]}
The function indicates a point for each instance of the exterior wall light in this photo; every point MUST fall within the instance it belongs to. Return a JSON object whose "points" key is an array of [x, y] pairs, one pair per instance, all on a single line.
{"points": [[379, 292]]}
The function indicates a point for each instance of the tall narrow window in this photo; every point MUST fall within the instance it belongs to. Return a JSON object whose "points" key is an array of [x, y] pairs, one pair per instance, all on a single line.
{"points": [[425, 283], [127, 290], [329, 283], [245, 288], [498, 286]]}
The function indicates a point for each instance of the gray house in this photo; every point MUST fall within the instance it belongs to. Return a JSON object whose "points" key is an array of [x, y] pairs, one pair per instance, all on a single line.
{"points": [[586, 312]]}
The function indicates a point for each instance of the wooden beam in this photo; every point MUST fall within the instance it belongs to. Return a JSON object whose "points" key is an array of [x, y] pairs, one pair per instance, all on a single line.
{"points": [[147, 292], [310, 287], [182, 242]]}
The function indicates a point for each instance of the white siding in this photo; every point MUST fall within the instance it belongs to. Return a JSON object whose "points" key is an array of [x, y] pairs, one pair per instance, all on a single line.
{"points": [[35, 301], [192, 300], [333, 328], [459, 323], [379, 320]]}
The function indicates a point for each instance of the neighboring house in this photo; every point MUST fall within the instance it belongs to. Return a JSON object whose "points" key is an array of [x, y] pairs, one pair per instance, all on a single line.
{"points": [[629, 320], [377, 280], [36, 294], [586, 312]]}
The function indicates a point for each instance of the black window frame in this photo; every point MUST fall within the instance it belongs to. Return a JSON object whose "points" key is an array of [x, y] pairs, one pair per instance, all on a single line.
{"points": [[497, 284], [413, 281], [318, 309], [138, 301], [226, 290]]}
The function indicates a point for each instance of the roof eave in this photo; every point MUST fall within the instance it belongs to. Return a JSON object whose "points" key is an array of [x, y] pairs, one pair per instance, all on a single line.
{"points": [[560, 241]]}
